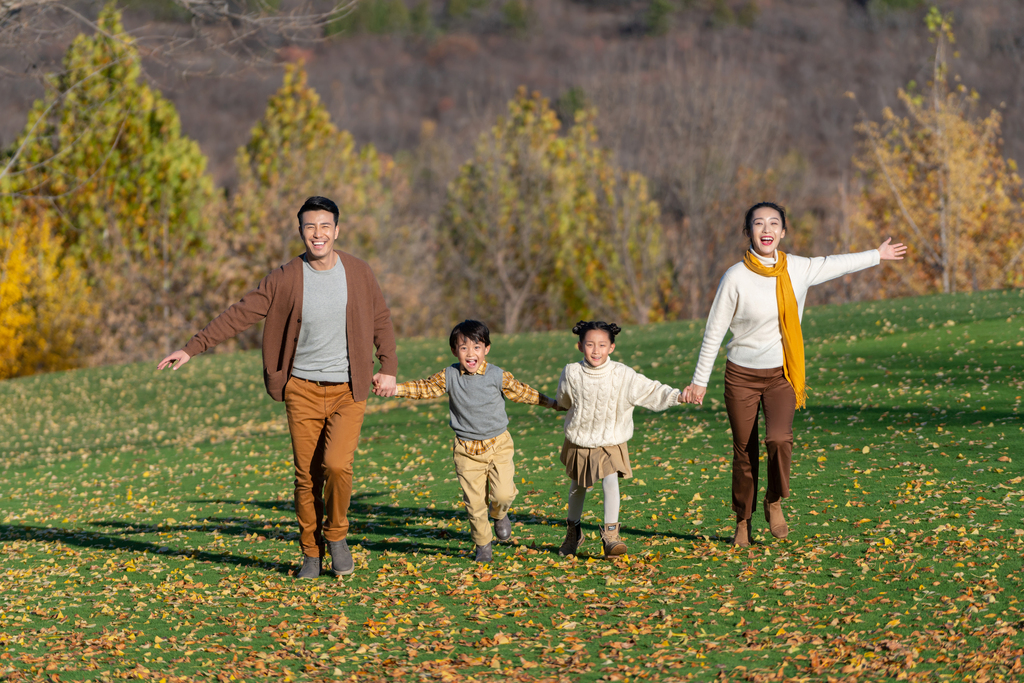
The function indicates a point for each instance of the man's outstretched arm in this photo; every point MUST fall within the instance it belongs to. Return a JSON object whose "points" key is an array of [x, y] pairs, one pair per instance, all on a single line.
{"points": [[252, 308]]}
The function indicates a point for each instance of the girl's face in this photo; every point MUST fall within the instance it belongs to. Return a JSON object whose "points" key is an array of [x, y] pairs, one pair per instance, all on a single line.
{"points": [[596, 347], [766, 231]]}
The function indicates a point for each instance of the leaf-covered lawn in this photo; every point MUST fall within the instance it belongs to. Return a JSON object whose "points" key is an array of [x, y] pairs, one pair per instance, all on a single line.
{"points": [[148, 533]]}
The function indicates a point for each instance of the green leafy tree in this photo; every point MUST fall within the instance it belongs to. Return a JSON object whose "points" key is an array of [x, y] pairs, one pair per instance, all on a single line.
{"points": [[540, 227], [128, 193]]}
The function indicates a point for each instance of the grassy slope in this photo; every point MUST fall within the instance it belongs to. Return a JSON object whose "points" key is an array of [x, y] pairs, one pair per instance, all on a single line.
{"points": [[147, 524]]}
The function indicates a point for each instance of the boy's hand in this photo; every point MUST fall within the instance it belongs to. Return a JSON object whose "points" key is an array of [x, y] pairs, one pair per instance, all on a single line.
{"points": [[385, 385]]}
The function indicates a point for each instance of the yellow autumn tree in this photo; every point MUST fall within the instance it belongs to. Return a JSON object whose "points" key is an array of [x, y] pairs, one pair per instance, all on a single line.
{"points": [[44, 298], [936, 179]]}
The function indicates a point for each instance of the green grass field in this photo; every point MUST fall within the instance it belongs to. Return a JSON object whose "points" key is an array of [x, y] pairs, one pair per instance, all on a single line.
{"points": [[147, 530]]}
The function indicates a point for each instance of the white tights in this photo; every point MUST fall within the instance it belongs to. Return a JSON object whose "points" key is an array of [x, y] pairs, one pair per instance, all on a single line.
{"points": [[578, 495]]}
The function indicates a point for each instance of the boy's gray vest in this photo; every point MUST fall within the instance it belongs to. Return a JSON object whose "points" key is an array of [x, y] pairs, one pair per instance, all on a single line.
{"points": [[475, 403]]}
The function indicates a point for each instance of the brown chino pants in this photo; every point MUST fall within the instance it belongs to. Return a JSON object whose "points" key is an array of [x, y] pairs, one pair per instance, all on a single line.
{"points": [[324, 422], [747, 391]]}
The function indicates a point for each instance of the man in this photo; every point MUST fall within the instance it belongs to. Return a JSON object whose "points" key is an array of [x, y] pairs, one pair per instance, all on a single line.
{"points": [[324, 313]]}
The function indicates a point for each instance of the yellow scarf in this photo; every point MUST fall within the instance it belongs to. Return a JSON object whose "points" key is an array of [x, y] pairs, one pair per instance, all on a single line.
{"points": [[789, 322]]}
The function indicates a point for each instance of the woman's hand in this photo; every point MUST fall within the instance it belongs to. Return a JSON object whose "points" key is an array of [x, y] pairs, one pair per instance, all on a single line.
{"points": [[892, 252], [693, 394]]}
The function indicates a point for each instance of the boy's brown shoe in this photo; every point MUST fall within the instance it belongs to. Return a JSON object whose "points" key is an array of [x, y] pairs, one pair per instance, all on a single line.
{"points": [[573, 539], [742, 536], [613, 545], [776, 520]]}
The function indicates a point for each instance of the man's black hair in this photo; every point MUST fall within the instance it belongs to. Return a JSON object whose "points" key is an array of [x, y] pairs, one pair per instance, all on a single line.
{"points": [[581, 328], [319, 204], [748, 220], [472, 330]]}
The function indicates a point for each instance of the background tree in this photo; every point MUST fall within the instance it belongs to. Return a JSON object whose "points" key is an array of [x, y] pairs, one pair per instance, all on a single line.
{"points": [[542, 227], [296, 151], [127, 193], [44, 298], [619, 265], [937, 177], [506, 217]]}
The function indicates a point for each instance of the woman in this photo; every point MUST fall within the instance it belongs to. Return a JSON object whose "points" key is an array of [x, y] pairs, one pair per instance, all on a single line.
{"points": [[761, 301]]}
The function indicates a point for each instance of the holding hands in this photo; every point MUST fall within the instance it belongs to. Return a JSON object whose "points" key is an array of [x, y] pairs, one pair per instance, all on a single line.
{"points": [[891, 252], [385, 385], [693, 394]]}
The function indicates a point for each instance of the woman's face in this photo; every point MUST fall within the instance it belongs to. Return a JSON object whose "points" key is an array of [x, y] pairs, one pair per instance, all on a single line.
{"points": [[766, 231]]}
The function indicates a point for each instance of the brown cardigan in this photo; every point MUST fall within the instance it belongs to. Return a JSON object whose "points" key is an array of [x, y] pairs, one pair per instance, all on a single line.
{"points": [[278, 298]]}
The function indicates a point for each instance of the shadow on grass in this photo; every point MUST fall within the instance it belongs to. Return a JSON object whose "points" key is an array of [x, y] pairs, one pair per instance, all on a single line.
{"points": [[100, 541]]}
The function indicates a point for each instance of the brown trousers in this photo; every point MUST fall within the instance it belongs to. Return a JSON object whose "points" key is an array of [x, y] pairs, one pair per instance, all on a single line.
{"points": [[324, 422], [747, 391]]}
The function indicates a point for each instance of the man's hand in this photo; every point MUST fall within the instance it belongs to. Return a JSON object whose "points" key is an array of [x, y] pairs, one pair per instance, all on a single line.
{"points": [[385, 385], [693, 394], [891, 252], [175, 360]]}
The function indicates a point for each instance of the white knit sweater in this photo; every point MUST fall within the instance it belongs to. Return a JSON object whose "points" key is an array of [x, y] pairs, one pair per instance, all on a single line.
{"points": [[600, 401], [746, 305]]}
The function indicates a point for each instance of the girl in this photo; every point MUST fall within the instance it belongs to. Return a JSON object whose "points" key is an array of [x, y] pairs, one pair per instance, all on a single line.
{"points": [[600, 394], [761, 301]]}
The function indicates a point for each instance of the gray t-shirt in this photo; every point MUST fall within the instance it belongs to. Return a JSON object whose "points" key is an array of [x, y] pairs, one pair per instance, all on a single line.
{"points": [[322, 351]]}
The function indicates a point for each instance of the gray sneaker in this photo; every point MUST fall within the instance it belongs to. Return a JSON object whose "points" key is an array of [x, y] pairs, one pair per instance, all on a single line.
{"points": [[310, 568], [503, 528], [484, 553], [341, 558]]}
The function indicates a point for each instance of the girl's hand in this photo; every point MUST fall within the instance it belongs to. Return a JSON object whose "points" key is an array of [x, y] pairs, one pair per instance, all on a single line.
{"points": [[693, 394], [892, 252]]}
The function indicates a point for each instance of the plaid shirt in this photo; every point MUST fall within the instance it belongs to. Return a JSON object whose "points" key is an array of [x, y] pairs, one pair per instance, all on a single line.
{"points": [[514, 390]]}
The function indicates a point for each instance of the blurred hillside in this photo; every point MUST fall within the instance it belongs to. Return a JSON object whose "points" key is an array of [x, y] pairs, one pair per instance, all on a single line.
{"points": [[786, 63], [520, 161]]}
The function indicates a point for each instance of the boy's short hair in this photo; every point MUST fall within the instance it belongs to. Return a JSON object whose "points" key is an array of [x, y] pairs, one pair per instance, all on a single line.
{"points": [[472, 330], [581, 328]]}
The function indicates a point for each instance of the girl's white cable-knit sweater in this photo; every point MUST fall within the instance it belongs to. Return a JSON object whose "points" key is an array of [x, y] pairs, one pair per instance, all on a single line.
{"points": [[600, 401]]}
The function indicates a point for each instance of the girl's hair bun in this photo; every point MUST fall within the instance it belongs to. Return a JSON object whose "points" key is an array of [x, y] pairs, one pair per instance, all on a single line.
{"points": [[581, 328]]}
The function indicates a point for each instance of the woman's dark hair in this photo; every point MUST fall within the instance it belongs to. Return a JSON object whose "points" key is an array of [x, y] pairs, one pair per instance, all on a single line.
{"points": [[581, 328], [319, 204], [748, 222], [471, 330]]}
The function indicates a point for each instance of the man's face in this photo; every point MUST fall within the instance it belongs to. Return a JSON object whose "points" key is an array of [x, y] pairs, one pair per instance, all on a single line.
{"points": [[318, 232], [470, 354]]}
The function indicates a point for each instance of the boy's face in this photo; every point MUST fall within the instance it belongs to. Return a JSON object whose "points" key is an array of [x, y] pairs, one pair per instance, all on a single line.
{"points": [[470, 353], [596, 347]]}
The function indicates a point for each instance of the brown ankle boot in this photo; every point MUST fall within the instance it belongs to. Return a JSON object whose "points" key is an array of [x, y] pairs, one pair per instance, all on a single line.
{"points": [[776, 520], [573, 538], [613, 545], [742, 536]]}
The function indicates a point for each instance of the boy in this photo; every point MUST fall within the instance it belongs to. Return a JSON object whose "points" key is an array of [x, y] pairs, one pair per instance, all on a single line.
{"points": [[483, 447]]}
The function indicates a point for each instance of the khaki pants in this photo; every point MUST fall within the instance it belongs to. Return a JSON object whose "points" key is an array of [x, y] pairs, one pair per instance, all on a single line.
{"points": [[488, 484], [324, 422], [746, 392]]}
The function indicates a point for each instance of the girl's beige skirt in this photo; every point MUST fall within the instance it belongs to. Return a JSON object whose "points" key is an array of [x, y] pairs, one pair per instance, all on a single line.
{"points": [[588, 465]]}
